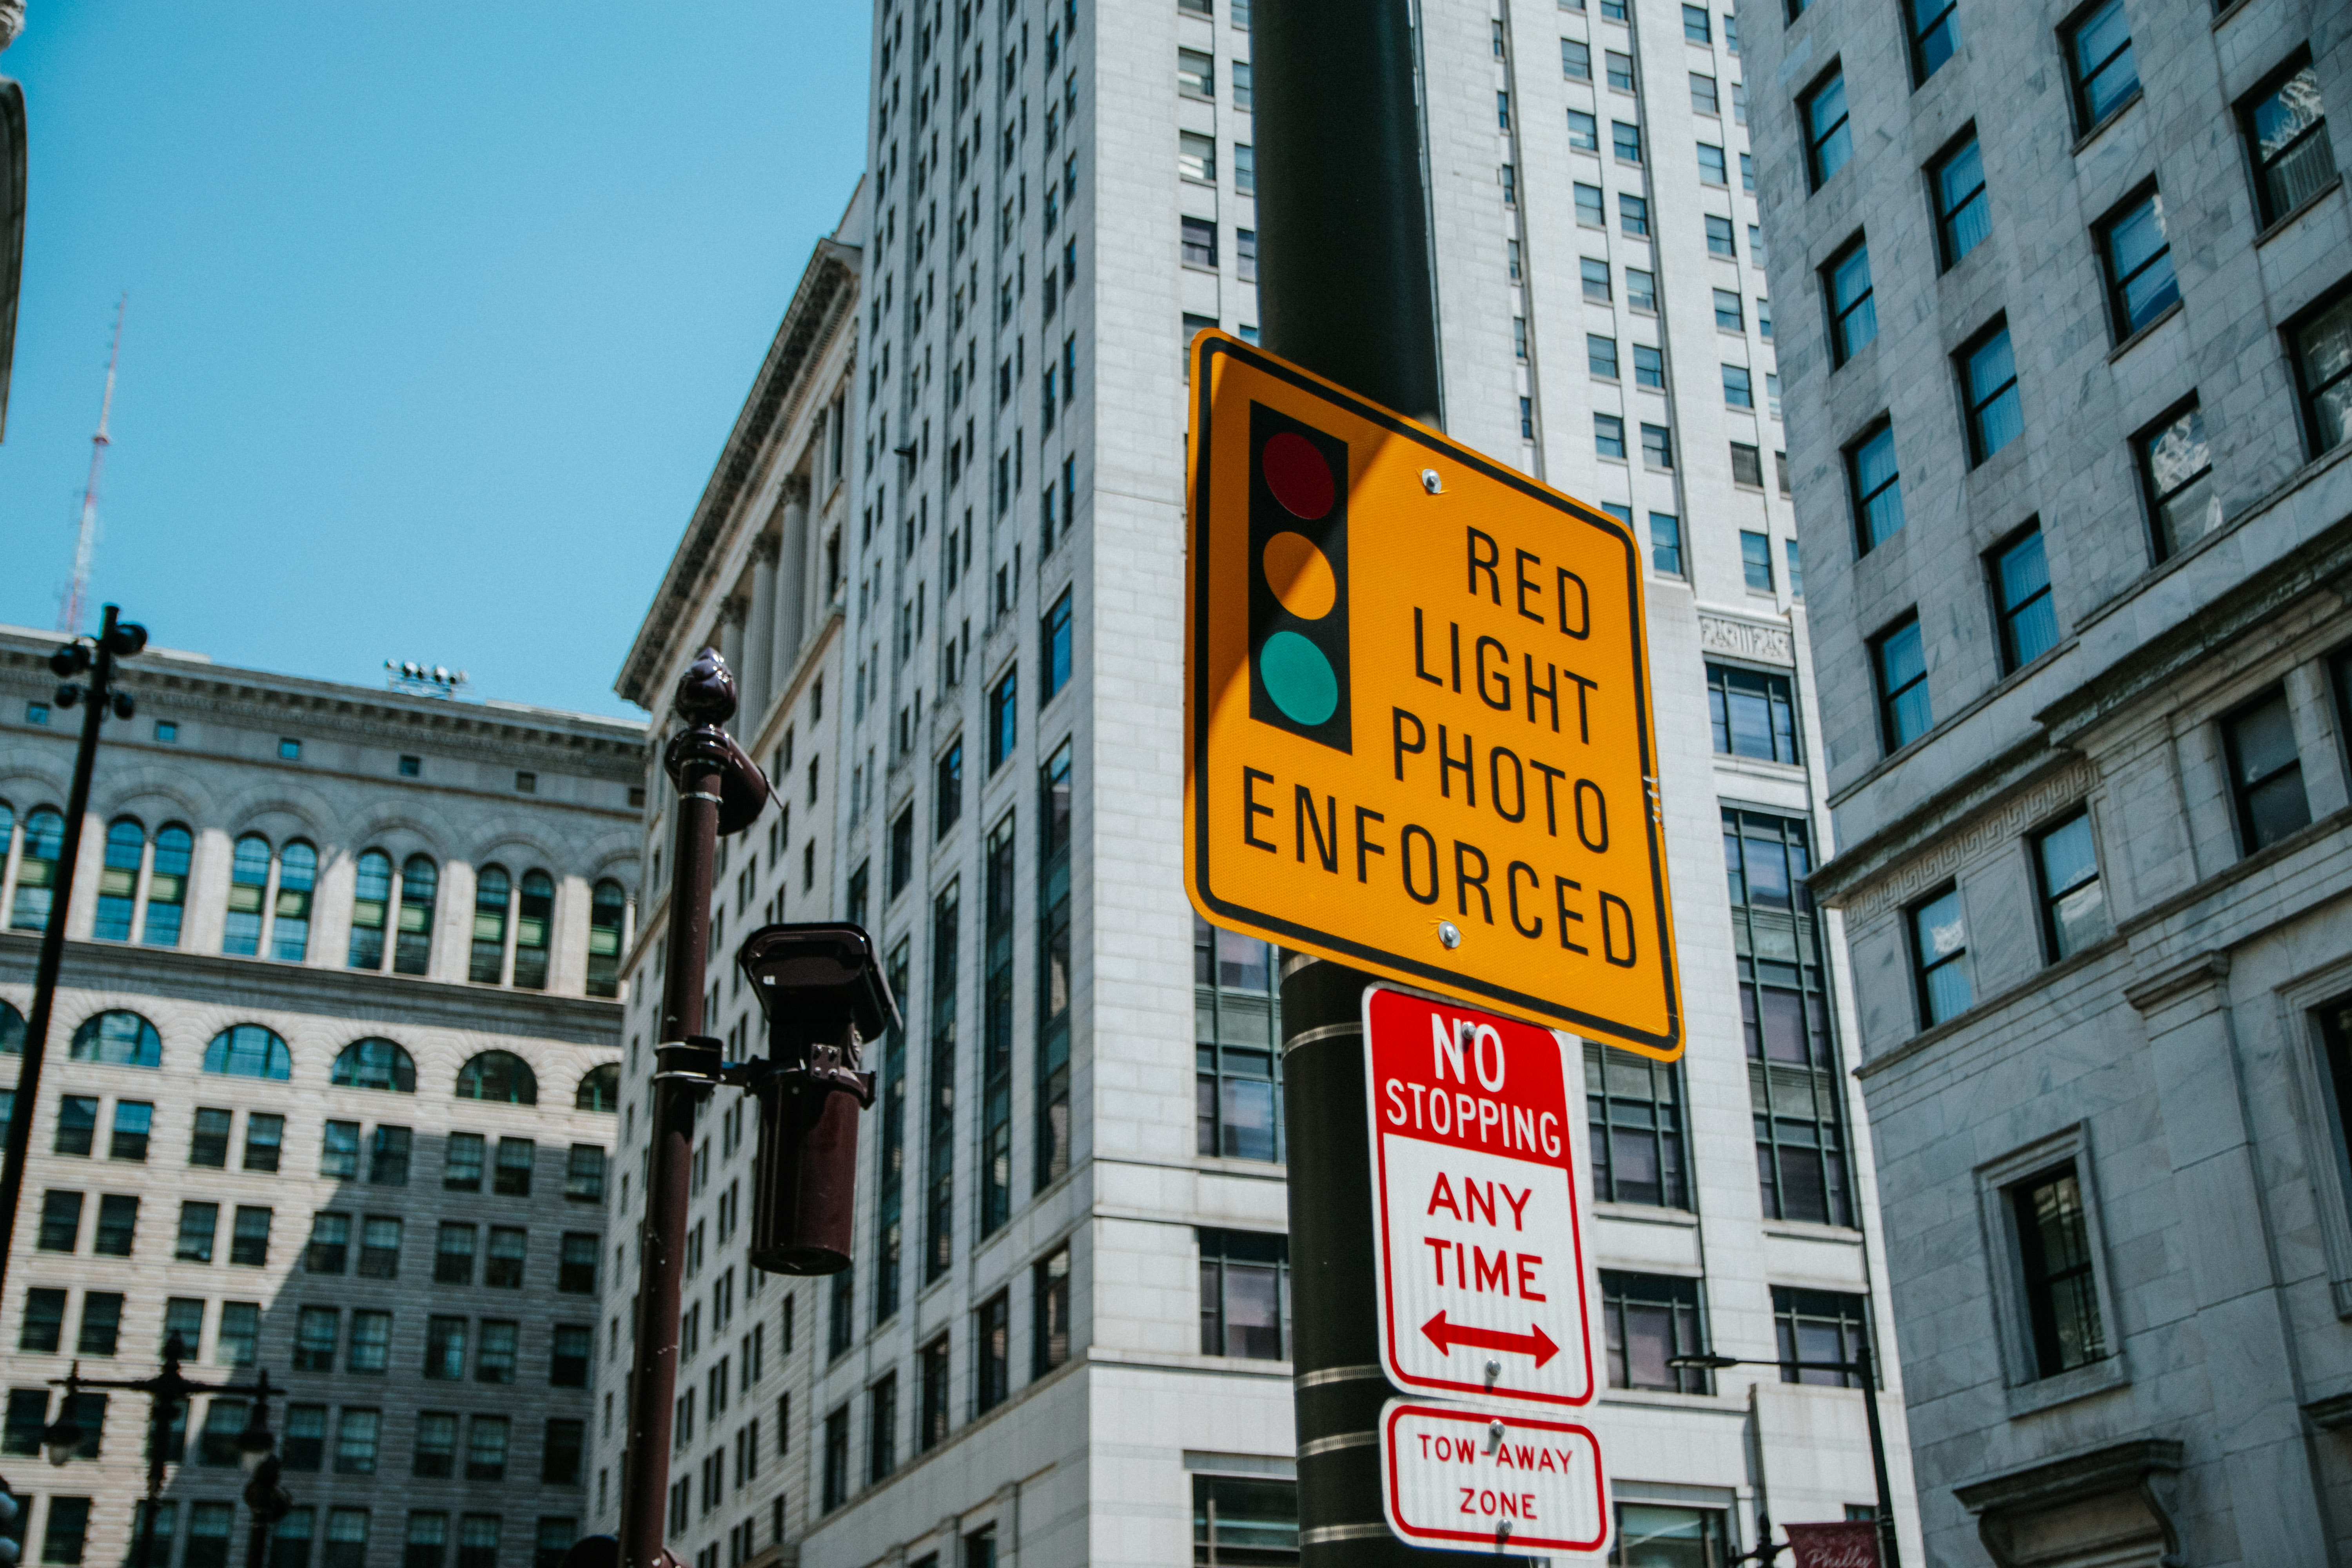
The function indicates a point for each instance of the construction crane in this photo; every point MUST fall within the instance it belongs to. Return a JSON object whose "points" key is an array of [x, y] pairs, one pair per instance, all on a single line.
{"points": [[76, 594]]}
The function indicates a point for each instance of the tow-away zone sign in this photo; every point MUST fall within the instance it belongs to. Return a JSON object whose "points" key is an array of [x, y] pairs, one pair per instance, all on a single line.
{"points": [[1474, 1205], [1518, 1483]]}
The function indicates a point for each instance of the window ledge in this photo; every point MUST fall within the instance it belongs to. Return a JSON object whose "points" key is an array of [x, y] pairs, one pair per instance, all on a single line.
{"points": [[2144, 333], [2229, 12], [2286, 219], [1645, 1214], [2117, 112], [1806, 1230], [2046, 1393], [1233, 1165]]}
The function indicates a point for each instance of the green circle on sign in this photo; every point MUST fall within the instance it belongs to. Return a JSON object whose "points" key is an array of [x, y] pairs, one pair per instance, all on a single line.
{"points": [[1298, 677]]}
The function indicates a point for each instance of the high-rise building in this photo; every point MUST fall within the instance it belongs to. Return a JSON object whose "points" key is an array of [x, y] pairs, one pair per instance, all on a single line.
{"points": [[2075, 500], [1064, 1337], [330, 1091]]}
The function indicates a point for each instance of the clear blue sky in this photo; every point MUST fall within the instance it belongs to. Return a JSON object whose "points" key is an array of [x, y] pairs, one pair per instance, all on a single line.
{"points": [[438, 315]]}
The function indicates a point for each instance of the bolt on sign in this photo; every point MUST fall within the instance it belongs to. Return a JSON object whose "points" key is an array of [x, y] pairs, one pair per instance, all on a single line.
{"points": [[1458, 1476], [1418, 709], [1477, 1240]]}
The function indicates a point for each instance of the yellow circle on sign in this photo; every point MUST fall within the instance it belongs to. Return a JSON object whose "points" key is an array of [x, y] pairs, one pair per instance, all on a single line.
{"points": [[1300, 576]]}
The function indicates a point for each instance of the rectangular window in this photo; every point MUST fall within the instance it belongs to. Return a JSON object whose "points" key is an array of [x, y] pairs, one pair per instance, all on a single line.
{"points": [[517, 1159], [1634, 215], [567, 1365], [2322, 367], [1657, 446], [209, 1524], [1609, 436], [1728, 315], [1755, 560], [265, 1137], [1244, 94], [1935, 34], [102, 1322], [1003, 717], [2265, 772], [1626, 142], [209, 1146], [1666, 544], [318, 1334], [1596, 279], [118, 1226], [2138, 256], [199, 1223], [502, 1265], [1963, 218], [992, 1353], [1711, 169], [947, 788], [1829, 142], [1719, 240], [560, 1451], [1634, 1107], [444, 1348], [1900, 661], [487, 1440], [1877, 486], [1796, 569], [133, 1120], [1753, 712], [356, 1435], [1584, 136], [1600, 355], [1053, 1065], [583, 1176], [836, 1461], [1244, 168], [1244, 269], [2286, 126], [1196, 157], [2176, 469], [428, 1536], [1198, 245], [1747, 465], [996, 1036], [370, 1351], [45, 1316], [575, 1270], [494, 1361], [1821, 1335], [1620, 68], [1695, 25], [1703, 98], [1939, 956], [305, 1444], [248, 1244], [61, 1223], [2066, 874], [2022, 602], [1589, 210], [1738, 388], [1236, 1519], [1576, 59], [477, 1541], [1649, 367], [453, 1254], [1196, 74], [1244, 1294], [1237, 1028], [940, 1130], [1853, 312], [240, 1333], [1054, 647], [461, 1169], [1989, 381], [931, 1424], [1641, 291], [2099, 63], [2055, 1266], [1049, 1344], [77, 1124], [1650, 1318], [68, 1527]]}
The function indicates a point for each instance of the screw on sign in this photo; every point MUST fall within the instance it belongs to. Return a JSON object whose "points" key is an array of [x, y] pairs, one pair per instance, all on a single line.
{"points": [[1453, 1476], [1475, 1207]]}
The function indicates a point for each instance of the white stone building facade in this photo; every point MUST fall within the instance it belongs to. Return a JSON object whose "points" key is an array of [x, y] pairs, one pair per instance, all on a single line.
{"points": [[330, 1093], [2066, 324]]}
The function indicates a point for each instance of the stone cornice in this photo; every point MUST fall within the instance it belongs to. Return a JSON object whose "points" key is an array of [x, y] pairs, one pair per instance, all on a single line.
{"points": [[1768, 642], [2022, 784], [357, 994], [821, 307]]}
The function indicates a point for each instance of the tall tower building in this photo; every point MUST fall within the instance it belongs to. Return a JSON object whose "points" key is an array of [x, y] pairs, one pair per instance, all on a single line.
{"points": [[2067, 318], [330, 1093], [1065, 1336]]}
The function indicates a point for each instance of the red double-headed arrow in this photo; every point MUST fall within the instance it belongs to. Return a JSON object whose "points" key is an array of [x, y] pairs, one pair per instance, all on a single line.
{"points": [[1446, 1336]]}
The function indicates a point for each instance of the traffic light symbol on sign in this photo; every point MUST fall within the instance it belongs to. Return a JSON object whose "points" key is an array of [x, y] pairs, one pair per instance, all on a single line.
{"points": [[1299, 581]]}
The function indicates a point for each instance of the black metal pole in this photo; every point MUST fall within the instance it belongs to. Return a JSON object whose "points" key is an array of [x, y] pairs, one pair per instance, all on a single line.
{"points": [[1344, 288], [712, 775], [127, 639], [1889, 1551]]}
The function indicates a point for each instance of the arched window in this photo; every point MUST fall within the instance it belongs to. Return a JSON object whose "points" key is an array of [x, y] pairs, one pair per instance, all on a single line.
{"points": [[11, 1031], [608, 915], [249, 887], [298, 873], [500, 1077], [117, 882], [534, 913], [249, 1050], [411, 952], [370, 899], [375, 1063], [489, 966], [119, 1039], [36, 868], [600, 1089], [167, 886]]}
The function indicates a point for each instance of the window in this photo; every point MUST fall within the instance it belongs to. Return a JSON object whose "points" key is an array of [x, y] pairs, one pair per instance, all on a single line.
{"points": [[1596, 279], [373, 1064], [1935, 34], [494, 1360], [1877, 486], [1853, 313], [2054, 1255], [1634, 215], [356, 1435], [1609, 435], [1244, 1294], [1576, 59], [265, 1140], [208, 1532], [502, 1266], [1819, 1329], [1657, 446], [42, 1328], [248, 1050], [1054, 647], [992, 1354], [1243, 90], [1728, 315], [1747, 465], [1989, 380], [2099, 61], [1238, 1519], [1755, 560], [1829, 143], [1584, 136], [318, 1334], [1962, 215], [1244, 269], [2138, 255], [1666, 544], [36, 868], [240, 1334], [2066, 871], [836, 1460], [488, 962], [338, 1148], [388, 1157], [1003, 719], [1196, 157], [584, 1174], [371, 1348], [1649, 367], [1196, 74], [1600, 355], [2285, 127], [1619, 69], [68, 1527], [996, 1035], [1753, 712], [1626, 142], [77, 1124], [931, 1424], [1244, 168], [1704, 99], [118, 879], [199, 1223], [607, 918], [1738, 388], [477, 1541], [444, 1348], [1635, 1107], [2265, 772], [2020, 591], [1650, 1318], [1237, 1030], [1590, 209], [462, 1160], [900, 862], [2176, 466], [1198, 243], [1719, 240], [329, 1247], [560, 1451], [1712, 170], [2322, 364], [1695, 25], [575, 1274], [1900, 661], [305, 1444], [428, 1533], [1939, 955], [518, 1157], [101, 1320], [1053, 1063], [947, 789], [487, 1440]]}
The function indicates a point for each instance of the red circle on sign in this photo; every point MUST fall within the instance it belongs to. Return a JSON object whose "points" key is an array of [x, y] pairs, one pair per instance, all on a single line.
{"points": [[1297, 474]]}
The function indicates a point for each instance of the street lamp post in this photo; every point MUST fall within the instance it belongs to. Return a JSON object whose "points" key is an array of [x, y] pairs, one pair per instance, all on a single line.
{"points": [[165, 1392], [1862, 1366], [116, 640]]}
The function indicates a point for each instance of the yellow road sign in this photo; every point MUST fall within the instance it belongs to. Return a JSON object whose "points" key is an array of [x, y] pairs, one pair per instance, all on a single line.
{"points": [[1416, 698]]}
